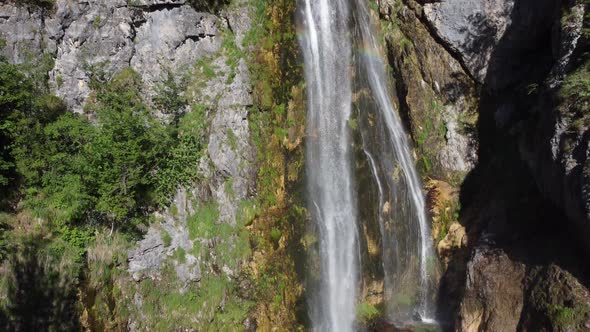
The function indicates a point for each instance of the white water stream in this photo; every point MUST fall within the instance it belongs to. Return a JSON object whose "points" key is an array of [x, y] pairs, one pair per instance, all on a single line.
{"points": [[327, 45]]}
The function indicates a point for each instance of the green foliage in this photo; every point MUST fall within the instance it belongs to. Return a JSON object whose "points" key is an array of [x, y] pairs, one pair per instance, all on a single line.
{"points": [[41, 3], [577, 84], [248, 210], [96, 22], [374, 6], [214, 306], [109, 171], [106, 254], [428, 135], [353, 123], [206, 69], [129, 144], [166, 238], [170, 95], [276, 234], [449, 213], [566, 317], [177, 167], [15, 102], [575, 91], [212, 6], [203, 223], [366, 312]]}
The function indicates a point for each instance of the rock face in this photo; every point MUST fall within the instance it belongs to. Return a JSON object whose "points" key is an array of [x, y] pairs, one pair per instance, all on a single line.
{"points": [[471, 28], [490, 36], [23, 31], [146, 259], [94, 39], [435, 95], [493, 293], [526, 189], [228, 166], [556, 147], [161, 39]]}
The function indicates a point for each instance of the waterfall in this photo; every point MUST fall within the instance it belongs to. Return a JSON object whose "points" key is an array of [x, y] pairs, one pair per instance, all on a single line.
{"points": [[330, 187], [341, 55], [410, 186]]}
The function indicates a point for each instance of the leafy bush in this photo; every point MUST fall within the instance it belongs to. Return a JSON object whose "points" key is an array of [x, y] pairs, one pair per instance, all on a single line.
{"points": [[41, 3], [212, 6], [111, 170]]}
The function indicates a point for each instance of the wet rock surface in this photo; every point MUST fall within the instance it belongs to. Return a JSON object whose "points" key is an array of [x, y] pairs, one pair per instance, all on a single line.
{"points": [[523, 203]]}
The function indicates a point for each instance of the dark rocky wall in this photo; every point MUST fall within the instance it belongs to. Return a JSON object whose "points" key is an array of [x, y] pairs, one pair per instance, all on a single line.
{"points": [[516, 253]]}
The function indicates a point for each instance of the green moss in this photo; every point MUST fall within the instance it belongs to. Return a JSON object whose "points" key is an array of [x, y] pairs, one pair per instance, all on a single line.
{"points": [[96, 22], [353, 123], [202, 224], [213, 306], [166, 238], [232, 139], [206, 69], [247, 212], [276, 234], [448, 214], [577, 84], [565, 317], [575, 94], [366, 312]]}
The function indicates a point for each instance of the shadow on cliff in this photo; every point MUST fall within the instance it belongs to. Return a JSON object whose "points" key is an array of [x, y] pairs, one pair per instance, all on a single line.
{"points": [[502, 206], [41, 295]]}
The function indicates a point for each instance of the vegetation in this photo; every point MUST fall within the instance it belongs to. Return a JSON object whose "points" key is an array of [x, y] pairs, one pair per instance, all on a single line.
{"points": [[574, 105], [111, 171], [84, 182], [567, 317], [212, 6], [366, 312], [41, 3], [277, 125], [70, 178]]}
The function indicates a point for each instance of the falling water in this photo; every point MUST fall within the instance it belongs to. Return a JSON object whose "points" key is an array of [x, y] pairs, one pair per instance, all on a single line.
{"points": [[377, 79], [327, 54], [333, 29]]}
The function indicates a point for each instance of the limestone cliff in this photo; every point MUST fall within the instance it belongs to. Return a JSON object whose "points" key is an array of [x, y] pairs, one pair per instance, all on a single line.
{"points": [[208, 260], [518, 219]]}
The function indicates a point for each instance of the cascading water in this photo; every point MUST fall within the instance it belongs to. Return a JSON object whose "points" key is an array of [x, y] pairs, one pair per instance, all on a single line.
{"points": [[333, 28], [327, 55], [408, 186]]}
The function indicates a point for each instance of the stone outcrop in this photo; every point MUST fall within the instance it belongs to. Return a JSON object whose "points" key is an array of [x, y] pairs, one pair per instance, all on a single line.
{"points": [[472, 29], [89, 42], [435, 94], [228, 165], [526, 188], [490, 37], [95, 39], [22, 28], [493, 293], [494, 39]]}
